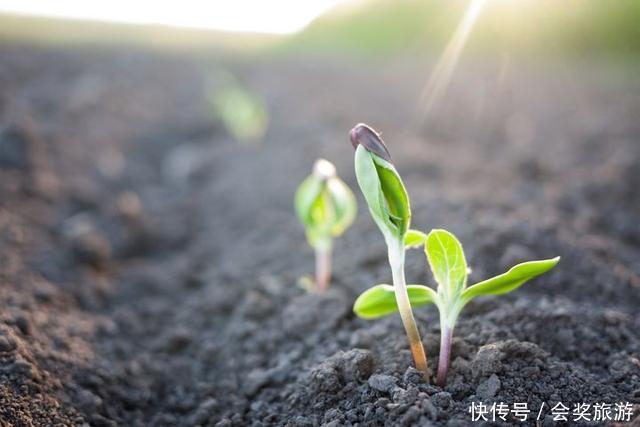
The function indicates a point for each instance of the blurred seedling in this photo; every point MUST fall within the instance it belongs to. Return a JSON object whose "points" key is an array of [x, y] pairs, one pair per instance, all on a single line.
{"points": [[388, 204], [449, 267], [242, 112], [326, 207]]}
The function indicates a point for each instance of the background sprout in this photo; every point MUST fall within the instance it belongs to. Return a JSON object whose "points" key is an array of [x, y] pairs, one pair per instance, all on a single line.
{"points": [[242, 111], [449, 267], [389, 206], [326, 207]]}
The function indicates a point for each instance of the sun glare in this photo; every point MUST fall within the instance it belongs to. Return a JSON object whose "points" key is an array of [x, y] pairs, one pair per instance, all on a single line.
{"points": [[444, 68], [258, 16]]}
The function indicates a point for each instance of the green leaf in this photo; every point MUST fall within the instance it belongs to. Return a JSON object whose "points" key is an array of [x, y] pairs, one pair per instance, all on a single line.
{"points": [[305, 198], [380, 300], [395, 195], [344, 203], [384, 192], [414, 239], [369, 183], [325, 205], [447, 262], [511, 280]]}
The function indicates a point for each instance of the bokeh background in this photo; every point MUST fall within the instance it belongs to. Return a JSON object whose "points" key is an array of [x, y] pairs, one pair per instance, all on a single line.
{"points": [[150, 257], [443, 37], [548, 29]]}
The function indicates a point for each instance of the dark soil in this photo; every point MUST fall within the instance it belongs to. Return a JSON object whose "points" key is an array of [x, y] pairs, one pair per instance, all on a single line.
{"points": [[149, 263]]}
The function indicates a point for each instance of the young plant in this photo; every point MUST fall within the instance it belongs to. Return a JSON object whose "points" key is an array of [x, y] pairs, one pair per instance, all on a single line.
{"points": [[449, 267], [326, 207], [388, 203]]}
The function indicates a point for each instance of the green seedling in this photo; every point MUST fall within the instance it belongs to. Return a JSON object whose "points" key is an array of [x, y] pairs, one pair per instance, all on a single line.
{"points": [[326, 207], [242, 112], [449, 267], [388, 204]]}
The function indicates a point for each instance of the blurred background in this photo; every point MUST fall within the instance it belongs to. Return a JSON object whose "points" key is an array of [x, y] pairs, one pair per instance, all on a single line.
{"points": [[149, 155], [442, 36], [545, 28]]}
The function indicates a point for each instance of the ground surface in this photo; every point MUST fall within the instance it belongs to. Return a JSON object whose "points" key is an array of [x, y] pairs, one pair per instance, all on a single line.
{"points": [[148, 262]]}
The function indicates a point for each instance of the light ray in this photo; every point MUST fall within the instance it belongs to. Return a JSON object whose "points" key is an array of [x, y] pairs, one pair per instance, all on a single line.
{"points": [[442, 72]]}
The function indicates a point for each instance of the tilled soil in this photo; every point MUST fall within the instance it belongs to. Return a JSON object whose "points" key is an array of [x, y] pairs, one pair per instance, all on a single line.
{"points": [[149, 263]]}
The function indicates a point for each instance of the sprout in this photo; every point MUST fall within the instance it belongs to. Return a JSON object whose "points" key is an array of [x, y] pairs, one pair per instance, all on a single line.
{"points": [[389, 206], [326, 207], [242, 112], [449, 267]]}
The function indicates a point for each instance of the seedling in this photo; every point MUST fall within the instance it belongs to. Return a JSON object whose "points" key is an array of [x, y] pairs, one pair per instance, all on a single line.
{"points": [[389, 206], [326, 207], [449, 267], [242, 111]]}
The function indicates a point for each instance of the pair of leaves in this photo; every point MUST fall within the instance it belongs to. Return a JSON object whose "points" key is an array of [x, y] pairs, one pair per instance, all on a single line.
{"points": [[448, 265], [384, 192], [325, 206]]}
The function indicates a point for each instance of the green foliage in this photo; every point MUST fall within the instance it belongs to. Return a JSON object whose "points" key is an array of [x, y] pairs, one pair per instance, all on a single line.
{"points": [[414, 239], [449, 267], [324, 204], [396, 200], [380, 300], [447, 262], [384, 192], [389, 206], [511, 280]]}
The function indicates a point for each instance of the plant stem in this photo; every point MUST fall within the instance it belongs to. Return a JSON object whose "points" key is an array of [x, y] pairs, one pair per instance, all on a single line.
{"points": [[396, 260], [446, 334], [323, 267]]}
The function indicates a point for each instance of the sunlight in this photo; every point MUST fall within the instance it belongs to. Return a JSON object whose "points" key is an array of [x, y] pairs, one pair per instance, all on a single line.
{"points": [[275, 16], [445, 67]]}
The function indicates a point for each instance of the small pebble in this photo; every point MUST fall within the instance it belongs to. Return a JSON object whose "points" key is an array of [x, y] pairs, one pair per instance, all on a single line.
{"points": [[442, 399], [488, 388], [487, 361], [412, 376], [383, 383]]}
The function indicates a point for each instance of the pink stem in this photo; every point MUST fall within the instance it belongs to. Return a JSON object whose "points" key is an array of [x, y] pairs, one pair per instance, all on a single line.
{"points": [[446, 335], [323, 269]]}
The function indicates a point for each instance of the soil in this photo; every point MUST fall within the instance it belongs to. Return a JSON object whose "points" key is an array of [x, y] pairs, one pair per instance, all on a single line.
{"points": [[149, 263]]}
